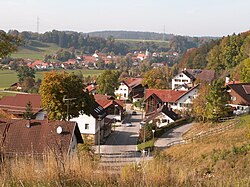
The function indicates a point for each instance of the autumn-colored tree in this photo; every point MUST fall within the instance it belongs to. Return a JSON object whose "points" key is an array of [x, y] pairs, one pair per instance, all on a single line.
{"points": [[199, 103], [56, 87], [245, 71], [155, 78]]}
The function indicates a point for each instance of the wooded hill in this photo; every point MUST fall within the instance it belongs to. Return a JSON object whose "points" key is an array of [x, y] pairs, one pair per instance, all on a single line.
{"points": [[89, 42], [228, 55]]}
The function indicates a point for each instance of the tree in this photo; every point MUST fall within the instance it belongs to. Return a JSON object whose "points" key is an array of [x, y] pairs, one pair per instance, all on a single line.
{"points": [[28, 114], [155, 78], [245, 71], [217, 99], [24, 72], [28, 83], [57, 86], [8, 44], [199, 103], [107, 82]]}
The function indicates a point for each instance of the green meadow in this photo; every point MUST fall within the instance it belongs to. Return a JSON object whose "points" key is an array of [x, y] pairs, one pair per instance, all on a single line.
{"points": [[8, 77]]}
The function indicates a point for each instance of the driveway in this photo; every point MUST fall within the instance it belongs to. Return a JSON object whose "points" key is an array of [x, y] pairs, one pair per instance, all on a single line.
{"points": [[172, 135]]}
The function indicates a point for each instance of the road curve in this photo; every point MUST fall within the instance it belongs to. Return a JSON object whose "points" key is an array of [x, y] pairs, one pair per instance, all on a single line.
{"points": [[172, 135]]}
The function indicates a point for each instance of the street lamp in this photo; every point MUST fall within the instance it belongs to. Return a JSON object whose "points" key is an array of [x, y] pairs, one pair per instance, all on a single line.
{"points": [[114, 115], [153, 131], [143, 125]]}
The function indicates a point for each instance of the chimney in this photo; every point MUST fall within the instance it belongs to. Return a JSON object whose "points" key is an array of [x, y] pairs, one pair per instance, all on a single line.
{"points": [[227, 79], [28, 123]]}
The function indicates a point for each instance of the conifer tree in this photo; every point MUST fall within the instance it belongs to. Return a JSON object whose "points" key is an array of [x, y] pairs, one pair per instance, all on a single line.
{"points": [[28, 114], [217, 99]]}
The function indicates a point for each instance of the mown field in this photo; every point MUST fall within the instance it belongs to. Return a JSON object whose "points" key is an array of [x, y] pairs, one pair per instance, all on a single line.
{"points": [[8, 77], [36, 52], [137, 40]]}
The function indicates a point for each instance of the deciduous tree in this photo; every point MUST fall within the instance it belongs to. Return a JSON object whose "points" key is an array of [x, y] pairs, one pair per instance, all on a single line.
{"points": [[24, 72], [108, 82], [57, 86], [8, 44]]}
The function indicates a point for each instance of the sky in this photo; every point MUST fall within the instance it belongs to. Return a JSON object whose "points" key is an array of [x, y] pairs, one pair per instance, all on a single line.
{"points": [[182, 17]]}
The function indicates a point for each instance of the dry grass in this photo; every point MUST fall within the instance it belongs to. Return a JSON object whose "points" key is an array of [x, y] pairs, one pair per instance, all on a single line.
{"points": [[218, 160]]}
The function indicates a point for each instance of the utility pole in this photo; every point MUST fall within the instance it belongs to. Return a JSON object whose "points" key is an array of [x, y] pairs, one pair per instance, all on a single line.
{"points": [[37, 27], [99, 135], [68, 104]]}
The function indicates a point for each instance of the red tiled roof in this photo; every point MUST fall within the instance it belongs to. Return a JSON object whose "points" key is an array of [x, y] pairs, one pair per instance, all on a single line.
{"points": [[243, 89], [17, 104], [132, 82], [91, 87], [89, 59], [203, 75], [105, 100], [41, 136], [165, 95]]}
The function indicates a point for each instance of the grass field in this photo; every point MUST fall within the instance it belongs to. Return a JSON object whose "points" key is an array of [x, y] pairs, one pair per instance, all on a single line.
{"points": [[8, 77], [36, 54], [137, 40]]}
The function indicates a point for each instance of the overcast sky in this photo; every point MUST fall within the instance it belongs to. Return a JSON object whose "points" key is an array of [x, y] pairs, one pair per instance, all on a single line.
{"points": [[184, 17]]}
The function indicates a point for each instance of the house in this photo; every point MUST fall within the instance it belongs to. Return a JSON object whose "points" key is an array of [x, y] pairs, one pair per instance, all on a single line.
{"points": [[162, 117], [113, 107], [239, 97], [181, 78], [188, 76], [92, 127], [177, 100], [92, 88], [16, 105], [130, 87], [38, 137]]}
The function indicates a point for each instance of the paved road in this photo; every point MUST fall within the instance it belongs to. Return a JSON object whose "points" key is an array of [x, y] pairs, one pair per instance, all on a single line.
{"points": [[172, 135], [123, 139], [120, 147]]}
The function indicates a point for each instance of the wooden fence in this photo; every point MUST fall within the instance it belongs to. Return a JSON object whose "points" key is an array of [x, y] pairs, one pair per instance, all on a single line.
{"points": [[207, 133]]}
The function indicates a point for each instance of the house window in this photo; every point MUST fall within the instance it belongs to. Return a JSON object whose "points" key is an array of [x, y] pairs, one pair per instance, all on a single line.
{"points": [[181, 104], [181, 75], [164, 120], [86, 126], [233, 98], [125, 95]]}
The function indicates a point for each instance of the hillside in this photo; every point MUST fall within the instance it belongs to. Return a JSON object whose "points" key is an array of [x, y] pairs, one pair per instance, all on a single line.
{"points": [[217, 160], [228, 55], [34, 49], [134, 35]]}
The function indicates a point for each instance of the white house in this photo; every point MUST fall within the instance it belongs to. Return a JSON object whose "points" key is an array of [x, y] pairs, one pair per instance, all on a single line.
{"points": [[177, 100], [188, 76], [239, 97], [182, 78], [162, 117], [92, 126], [185, 100], [122, 91]]}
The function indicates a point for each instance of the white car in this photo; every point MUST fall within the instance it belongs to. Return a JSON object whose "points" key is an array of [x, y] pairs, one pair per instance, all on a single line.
{"points": [[128, 124]]}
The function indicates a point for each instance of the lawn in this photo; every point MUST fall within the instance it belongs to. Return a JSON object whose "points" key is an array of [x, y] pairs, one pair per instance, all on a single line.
{"points": [[39, 53], [137, 40], [8, 77]]}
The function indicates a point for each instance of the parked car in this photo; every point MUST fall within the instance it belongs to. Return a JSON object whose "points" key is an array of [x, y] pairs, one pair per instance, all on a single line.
{"points": [[134, 113], [128, 124]]}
